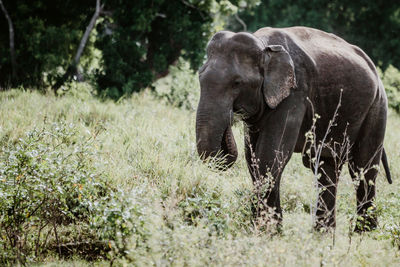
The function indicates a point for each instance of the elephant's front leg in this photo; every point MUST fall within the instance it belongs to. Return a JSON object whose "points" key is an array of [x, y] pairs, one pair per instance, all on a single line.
{"points": [[266, 179], [269, 146]]}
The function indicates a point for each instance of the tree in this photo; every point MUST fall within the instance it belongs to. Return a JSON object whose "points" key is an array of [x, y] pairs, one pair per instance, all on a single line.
{"points": [[12, 45], [138, 40], [47, 33], [73, 68]]}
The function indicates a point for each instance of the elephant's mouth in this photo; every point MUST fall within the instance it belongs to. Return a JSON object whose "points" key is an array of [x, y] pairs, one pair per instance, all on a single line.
{"points": [[224, 153], [214, 135], [228, 148]]}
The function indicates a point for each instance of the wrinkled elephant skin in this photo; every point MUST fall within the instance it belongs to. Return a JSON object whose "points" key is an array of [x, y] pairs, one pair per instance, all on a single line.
{"points": [[278, 80]]}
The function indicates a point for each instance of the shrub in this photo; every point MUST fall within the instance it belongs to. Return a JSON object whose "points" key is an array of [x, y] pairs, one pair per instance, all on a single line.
{"points": [[120, 219], [394, 231], [78, 90], [180, 88], [50, 189], [47, 180], [391, 81], [207, 207]]}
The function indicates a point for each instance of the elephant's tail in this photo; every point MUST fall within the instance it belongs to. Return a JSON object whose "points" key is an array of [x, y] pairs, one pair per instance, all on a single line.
{"points": [[386, 166]]}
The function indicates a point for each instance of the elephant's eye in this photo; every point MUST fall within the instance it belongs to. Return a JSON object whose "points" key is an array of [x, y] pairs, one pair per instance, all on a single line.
{"points": [[237, 83]]}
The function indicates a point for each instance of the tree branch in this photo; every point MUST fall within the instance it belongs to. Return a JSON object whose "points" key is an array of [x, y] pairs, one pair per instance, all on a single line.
{"points": [[12, 47], [238, 19], [89, 29], [72, 69]]}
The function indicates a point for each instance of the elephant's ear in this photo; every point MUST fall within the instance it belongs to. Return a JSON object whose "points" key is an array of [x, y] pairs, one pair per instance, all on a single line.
{"points": [[279, 75]]}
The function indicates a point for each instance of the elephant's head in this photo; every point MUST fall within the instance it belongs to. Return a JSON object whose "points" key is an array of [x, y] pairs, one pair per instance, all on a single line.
{"points": [[242, 75]]}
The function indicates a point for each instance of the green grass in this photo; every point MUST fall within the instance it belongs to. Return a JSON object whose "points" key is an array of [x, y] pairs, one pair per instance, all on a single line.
{"points": [[196, 216]]}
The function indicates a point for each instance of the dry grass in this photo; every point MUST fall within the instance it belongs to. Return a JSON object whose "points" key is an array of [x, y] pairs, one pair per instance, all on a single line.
{"points": [[199, 216]]}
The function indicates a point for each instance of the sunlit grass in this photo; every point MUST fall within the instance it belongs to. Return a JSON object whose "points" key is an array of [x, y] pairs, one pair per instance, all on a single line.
{"points": [[201, 216]]}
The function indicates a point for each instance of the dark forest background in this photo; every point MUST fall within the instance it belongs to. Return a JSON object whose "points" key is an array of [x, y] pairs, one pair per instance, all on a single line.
{"points": [[130, 44], [98, 159]]}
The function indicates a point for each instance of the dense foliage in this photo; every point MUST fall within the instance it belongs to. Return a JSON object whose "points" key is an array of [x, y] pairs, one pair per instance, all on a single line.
{"points": [[138, 40], [372, 25], [47, 34], [141, 39], [180, 88], [53, 199], [391, 82], [134, 43]]}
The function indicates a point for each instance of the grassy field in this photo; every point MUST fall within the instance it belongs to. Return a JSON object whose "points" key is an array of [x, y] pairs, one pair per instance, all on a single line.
{"points": [[191, 215]]}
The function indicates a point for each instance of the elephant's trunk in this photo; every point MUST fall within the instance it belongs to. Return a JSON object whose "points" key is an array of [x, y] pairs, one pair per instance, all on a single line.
{"points": [[214, 136]]}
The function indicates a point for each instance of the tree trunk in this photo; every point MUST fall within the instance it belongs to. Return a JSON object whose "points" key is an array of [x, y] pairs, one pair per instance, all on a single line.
{"points": [[12, 47], [72, 69]]}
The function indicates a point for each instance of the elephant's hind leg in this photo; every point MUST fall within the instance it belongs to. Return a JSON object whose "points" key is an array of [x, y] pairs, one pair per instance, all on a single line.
{"points": [[364, 178], [366, 156], [363, 173]]}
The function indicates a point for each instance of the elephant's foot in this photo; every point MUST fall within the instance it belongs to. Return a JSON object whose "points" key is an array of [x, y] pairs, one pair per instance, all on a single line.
{"points": [[367, 218], [325, 219], [366, 223]]}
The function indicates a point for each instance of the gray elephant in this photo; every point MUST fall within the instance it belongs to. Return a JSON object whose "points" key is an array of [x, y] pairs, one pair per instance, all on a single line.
{"points": [[278, 79]]}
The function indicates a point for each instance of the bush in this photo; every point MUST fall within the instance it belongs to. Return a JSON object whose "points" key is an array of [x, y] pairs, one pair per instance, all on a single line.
{"points": [[391, 82], [79, 90], [207, 207], [50, 189], [46, 181], [180, 88], [120, 218]]}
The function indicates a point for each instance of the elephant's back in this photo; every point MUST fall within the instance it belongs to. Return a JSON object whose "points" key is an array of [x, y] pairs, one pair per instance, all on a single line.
{"points": [[327, 51], [343, 73], [339, 65]]}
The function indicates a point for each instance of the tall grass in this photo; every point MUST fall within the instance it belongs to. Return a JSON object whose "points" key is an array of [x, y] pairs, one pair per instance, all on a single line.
{"points": [[193, 215]]}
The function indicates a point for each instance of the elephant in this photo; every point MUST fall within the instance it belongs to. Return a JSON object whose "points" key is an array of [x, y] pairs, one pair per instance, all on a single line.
{"points": [[285, 83]]}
